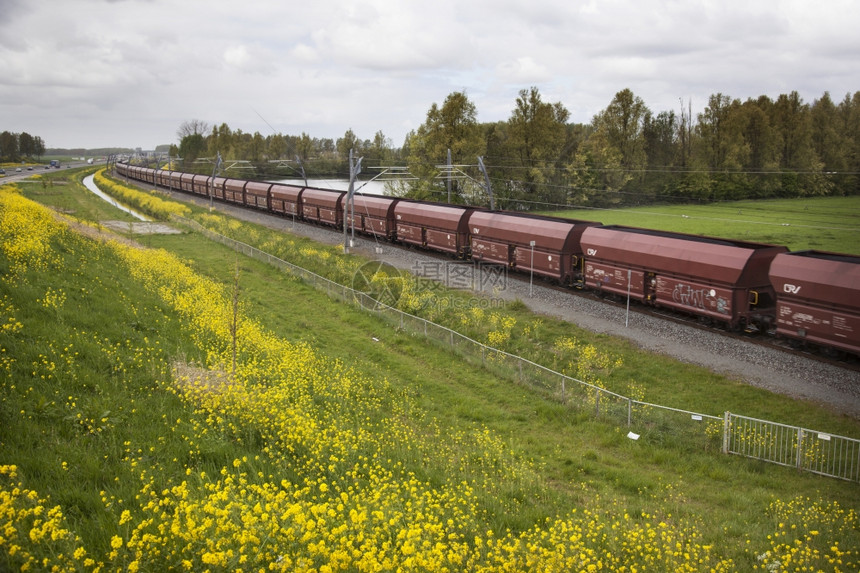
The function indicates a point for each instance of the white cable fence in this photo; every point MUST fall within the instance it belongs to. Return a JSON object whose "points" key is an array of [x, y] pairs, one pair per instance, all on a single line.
{"points": [[806, 450]]}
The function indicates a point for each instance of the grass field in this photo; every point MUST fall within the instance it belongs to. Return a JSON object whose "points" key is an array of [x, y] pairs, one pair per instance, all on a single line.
{"points": [[823, 223], [329, 450]]}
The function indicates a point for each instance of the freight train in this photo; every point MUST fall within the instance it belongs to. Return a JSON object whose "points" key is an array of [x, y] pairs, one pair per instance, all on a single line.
{"points": [[808, 297]]}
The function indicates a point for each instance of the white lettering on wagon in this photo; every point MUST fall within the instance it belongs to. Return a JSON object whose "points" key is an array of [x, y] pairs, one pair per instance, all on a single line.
{"points": [[591, 252], [793, 289]]}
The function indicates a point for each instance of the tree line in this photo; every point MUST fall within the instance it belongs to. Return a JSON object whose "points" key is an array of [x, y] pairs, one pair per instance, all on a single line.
{"points": [[627, 154], [15, 147]]}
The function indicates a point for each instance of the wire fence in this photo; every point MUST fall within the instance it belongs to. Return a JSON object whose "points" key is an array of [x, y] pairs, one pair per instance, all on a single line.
{"points": [[807, 450]]}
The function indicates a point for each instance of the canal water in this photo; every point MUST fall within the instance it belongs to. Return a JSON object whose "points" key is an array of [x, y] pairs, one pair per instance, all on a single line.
{"points": [[367, 187], [91, 185]]}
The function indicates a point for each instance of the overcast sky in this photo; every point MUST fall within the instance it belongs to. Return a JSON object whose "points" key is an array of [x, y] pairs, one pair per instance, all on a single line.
{"points": [[127, 73]]}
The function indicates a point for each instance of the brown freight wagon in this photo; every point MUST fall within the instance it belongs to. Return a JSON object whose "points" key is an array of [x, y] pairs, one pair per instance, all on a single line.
{"points": [[373, 215], [206, 186], [200, 185], [719, 279], [175, 180], [438, 227], [163, 178], [818, 298], [546, 246], [285, 199], [257, 195], [146, 175], [323, 206], [217, 187], [186, 182], [234, 191]]}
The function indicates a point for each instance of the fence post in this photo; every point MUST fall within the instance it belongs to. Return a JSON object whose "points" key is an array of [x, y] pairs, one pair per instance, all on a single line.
{"points": [[726, 425], [563, 396], [629, 411], [596, 402], [799, 449]]}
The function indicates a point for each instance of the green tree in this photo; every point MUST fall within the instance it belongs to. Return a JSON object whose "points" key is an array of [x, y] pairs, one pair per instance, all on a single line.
{"points": [[305, 147], [721, 149], [763, 144], [221, 140], [9, 147], [348, 142], [802, 169], [828, 141], [38, 147], [26, 144], [192, 127], [596, 172], [849, 127], [276, 147], [191, 147], [761, 137], [536, 135], [792, 121], [378, 151], [452, 126], [660, 133], [614, 151], [623, 123], [685, 134], [192, 136], [256, 150]]}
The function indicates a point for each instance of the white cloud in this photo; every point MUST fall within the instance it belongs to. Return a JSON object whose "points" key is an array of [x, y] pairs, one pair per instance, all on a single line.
{"points": [[96, 73], [523, 70]]}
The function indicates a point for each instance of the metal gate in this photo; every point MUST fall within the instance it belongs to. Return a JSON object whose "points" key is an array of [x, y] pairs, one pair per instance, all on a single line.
{"points": [[807, 450]]}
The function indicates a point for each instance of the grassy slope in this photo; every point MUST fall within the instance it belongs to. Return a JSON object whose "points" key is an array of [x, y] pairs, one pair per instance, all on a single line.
{"points": [[580, 458]]}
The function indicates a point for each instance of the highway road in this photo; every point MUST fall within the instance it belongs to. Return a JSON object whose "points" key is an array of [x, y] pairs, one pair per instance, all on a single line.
{"points": [[13, 175]]}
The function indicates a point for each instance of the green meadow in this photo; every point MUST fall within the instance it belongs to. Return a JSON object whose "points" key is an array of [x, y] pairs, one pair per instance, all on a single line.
{"points": [[821, 223]]}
